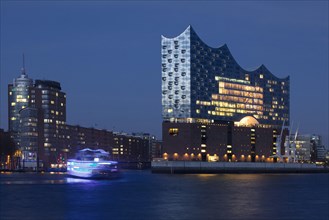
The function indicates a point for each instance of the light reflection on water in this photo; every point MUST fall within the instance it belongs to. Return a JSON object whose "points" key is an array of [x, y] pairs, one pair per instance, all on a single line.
{"points": [[32, 182], [142, 195], [78, 180], [49, 178], [206, 176]]}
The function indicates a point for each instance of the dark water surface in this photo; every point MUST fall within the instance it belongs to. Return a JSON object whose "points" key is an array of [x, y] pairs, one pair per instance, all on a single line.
{"points": [[142, 195]]}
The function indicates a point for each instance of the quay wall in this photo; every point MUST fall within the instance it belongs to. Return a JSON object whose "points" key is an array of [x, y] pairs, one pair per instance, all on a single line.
{"points": [[233, 167]]}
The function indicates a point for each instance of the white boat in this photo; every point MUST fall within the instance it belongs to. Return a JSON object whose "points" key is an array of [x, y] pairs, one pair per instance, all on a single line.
{"points": [[94, 164]]}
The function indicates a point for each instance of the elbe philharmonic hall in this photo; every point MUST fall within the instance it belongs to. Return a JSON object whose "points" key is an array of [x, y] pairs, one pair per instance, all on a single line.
{"points": [[213, 109]]}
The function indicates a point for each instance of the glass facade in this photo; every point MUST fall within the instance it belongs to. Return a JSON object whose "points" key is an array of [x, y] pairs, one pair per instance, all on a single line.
{"points": [[176, 76], [18, 99], [28, 132], [206, 83]]}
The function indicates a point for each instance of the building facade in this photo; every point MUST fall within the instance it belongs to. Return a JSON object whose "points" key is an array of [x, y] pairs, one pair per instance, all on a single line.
{"points": [[37, 116], [123, 147], [206, 83], [50, 100], [42, 139], [30, 136], [309, 148], [18, 99], [7, 151], [213, 109]]}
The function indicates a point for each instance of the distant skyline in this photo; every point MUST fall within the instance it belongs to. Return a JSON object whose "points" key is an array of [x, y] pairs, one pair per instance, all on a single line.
{"points": [[106, 54]]}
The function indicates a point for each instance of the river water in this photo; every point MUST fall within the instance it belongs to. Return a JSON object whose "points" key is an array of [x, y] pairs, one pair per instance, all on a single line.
{"points": [[143, 195]]}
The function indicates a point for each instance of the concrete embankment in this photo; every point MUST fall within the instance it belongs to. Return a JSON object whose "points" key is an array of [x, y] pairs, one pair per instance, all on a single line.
{"points": [[233, 167]]}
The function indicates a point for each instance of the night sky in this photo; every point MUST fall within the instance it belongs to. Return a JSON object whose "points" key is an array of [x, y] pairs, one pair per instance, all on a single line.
{"points": [[106, 54]]}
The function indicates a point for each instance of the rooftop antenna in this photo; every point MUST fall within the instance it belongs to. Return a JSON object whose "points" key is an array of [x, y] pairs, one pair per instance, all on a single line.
{"points": [[23, 68]]}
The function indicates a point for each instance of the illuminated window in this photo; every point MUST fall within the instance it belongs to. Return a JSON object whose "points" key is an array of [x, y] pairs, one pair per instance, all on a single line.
{"points": [[47, 120], [261, 76], [173, 131]]}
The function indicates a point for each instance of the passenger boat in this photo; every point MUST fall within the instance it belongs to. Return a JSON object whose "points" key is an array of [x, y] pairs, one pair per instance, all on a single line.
{"points": [[93, 164]]}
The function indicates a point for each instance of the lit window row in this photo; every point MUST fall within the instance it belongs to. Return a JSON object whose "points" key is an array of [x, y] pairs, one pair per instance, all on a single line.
{"points": [[31, 134], [219, 78], [239, 105], [240, 87], [240, 93], [225, 109], [21, 100], [272, 82], [198, 102], [220, 113], [236, 99]]}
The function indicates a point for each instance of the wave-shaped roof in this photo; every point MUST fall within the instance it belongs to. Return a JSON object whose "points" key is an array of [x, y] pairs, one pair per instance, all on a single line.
{"points": [[262, 68]]}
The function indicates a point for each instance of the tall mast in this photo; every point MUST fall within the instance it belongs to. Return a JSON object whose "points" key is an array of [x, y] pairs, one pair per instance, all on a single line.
{"points": [[23, 68]]}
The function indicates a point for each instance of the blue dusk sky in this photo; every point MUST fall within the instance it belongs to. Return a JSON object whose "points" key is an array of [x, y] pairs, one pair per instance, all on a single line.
{"points": [[106, 54]]}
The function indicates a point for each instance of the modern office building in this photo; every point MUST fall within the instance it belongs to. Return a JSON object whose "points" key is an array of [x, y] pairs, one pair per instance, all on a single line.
{"points": [[213, 108], [309, 148], [50, 100], [37, 115], [18, 99]]}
